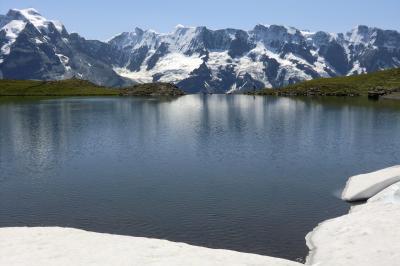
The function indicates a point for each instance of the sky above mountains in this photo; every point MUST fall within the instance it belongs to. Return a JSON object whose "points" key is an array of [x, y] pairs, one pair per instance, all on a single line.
{"points": [[103, 19]]}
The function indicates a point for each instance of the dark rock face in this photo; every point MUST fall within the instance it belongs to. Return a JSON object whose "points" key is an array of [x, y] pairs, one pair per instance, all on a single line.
{"points": [[160, 52], [198, 80], [137, 57], [197, 59], [336, 56], [239, 45], [271, 69], [300, 50]]}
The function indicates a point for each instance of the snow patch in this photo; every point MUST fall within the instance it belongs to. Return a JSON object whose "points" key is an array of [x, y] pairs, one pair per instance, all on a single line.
{"points": [[179, 26], [66, 246], [12, 30], [364, 186], [33, 16], [357, 69], [367, 235], [37, 41], [64, 60]]}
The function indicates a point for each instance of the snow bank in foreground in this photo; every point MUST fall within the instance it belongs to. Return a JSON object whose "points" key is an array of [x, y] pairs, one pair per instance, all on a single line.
{"points": [[367, 236], [65, 246], [364, 186]]}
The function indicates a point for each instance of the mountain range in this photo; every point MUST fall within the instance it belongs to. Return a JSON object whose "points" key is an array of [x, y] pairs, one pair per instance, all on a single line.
{"points": [[196, 59]]}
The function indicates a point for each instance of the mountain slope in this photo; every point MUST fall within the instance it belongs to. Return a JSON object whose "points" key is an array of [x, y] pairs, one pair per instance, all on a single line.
{"points": [[196, 59]]}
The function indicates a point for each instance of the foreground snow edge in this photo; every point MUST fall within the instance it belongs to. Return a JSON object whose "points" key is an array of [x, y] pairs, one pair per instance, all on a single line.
{"points": [[366, 235]]}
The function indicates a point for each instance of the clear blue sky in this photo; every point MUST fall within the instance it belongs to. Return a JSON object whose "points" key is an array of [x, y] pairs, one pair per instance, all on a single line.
{"points": [[102, 19]]}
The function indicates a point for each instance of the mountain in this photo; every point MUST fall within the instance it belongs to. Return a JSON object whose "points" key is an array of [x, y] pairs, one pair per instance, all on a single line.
{"points": [[196, 59], [32, 47], [231, 60]]}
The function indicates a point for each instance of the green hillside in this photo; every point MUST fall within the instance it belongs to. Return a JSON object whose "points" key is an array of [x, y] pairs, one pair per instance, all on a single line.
{"points": [[359, 85], [70, 87]]}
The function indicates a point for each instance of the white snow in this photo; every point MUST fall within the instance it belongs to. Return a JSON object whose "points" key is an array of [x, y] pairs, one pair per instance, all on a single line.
{"points": [[397, 61], [37, 41], [291, 30], [364, 186], [16, 22], [179, 26], [367, 236], [174, 67], [33, 16], [307, 33], [367, 38], [59, 26], [357, 69], [12, 29], [65, 246], [64, 60], [390, 194]]}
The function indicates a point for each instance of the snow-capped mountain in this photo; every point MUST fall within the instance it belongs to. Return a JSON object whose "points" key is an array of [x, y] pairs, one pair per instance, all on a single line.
{"points": [[197, 59], [32, 47], [231, 60]]}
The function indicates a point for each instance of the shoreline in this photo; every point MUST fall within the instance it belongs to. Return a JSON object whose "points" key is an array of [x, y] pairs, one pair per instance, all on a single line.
{"points": [[364, 236]]}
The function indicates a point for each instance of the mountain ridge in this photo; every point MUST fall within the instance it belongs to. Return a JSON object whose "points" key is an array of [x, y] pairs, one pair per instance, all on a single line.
{"points": [[197, 59]]}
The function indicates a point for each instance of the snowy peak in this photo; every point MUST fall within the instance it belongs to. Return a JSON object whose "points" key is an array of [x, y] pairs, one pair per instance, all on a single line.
{"points": [[31, 15], [15, 22], [362, 35], [274, 35], [374, 37]]}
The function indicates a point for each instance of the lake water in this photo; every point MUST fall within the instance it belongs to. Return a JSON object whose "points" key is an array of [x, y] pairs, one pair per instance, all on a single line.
{"points": [[253, 174]]}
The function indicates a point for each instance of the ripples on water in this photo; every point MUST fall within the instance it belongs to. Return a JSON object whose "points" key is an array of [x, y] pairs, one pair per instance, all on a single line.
{"points": [[253, 174]]}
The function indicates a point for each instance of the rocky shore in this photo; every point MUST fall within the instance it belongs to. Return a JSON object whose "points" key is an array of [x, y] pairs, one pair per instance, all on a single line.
{"points": [[153, 89]]}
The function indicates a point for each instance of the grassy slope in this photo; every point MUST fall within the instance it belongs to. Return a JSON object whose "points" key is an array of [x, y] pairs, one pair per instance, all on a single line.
{"points": [[340, 86], [71, 87]]}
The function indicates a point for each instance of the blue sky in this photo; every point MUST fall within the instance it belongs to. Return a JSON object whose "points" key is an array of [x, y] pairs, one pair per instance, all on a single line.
{"points": [[103, 19]]}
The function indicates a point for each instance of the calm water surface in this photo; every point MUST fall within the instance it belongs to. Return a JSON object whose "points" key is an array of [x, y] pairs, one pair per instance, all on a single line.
{"points": [[252, 174]]}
